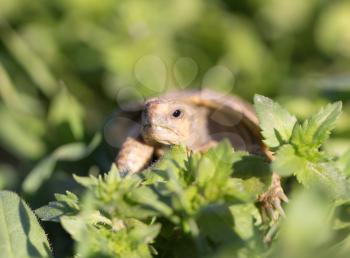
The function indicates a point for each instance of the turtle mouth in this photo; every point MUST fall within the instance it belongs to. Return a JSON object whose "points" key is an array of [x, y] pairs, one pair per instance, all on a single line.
{"points": [[161, 133]]}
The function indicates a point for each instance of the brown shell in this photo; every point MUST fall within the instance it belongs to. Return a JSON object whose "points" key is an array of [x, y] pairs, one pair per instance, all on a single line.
{"points": [[229, 117]]}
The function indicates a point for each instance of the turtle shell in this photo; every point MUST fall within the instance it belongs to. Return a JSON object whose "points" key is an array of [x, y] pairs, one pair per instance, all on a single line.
{"points": [[229, 117]]}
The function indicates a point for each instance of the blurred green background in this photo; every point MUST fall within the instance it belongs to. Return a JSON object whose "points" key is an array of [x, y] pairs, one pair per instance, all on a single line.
{"points": [[66, 65]]}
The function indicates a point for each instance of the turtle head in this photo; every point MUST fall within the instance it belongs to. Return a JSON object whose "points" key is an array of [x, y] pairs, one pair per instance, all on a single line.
{"points": [[167, 122]]}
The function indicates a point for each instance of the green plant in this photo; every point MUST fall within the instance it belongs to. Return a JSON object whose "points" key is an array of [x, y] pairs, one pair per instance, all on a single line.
{"points": [[20, 233], [204, 205]]}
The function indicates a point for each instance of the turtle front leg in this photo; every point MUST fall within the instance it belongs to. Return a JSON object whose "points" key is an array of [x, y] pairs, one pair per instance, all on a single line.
{"points": [[270, 201], [133, 156]]}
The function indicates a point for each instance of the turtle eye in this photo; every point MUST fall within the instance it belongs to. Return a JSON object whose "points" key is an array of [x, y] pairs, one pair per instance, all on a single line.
{"points": [[177, 113]]}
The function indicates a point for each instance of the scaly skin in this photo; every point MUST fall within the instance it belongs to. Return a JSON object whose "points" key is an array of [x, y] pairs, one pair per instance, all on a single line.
{"points": [[134, 156], [184, 120]]}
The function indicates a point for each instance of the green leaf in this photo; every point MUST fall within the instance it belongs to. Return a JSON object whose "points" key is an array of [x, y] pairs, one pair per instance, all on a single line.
{"points": [[173, 160], [276, 123], [315, 131], [343, 163], [216, 222], [327, 176], [205, 171], [11, 96], [20, 233], [66, 204], [70, 199], [242, 190], [129, 240], [51, 212], [77, 151], [244, 216], [306, 224], [145, 196], [29, 59], [74, 225], [311, 174], [213, 169], [341, 212], [39, 174], [74, 115], [45, 168], [249, 166], [86, 181], [215, 166], [251, 177], [287, 162], [21, 133]]}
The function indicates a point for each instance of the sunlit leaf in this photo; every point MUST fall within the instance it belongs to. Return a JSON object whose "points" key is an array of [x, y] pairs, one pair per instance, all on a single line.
{"points": [[30, 61], [51, 212], [66, 108], [45, 168], [304, 233], [315, 131], [276, 123], [20, 233], [21, 133], [287, 162], [39, 174], [343, 163]]}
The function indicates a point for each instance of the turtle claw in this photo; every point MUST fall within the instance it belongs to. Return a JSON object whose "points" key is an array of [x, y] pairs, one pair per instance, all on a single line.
{"points": [[270, 212], [282, 196], [271, 201], [277, 205]]}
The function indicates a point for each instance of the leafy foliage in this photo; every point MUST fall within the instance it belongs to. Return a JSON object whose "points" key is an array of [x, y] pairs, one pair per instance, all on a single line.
{"points": [[204, 204], [65, 65], [310, 136], [276, 123], [192, 197], [300, 151], [44, 169], [20, 233]]}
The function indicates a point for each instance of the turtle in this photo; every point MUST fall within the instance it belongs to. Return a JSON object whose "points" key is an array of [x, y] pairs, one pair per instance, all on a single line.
{"points": [[198, 119]]}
